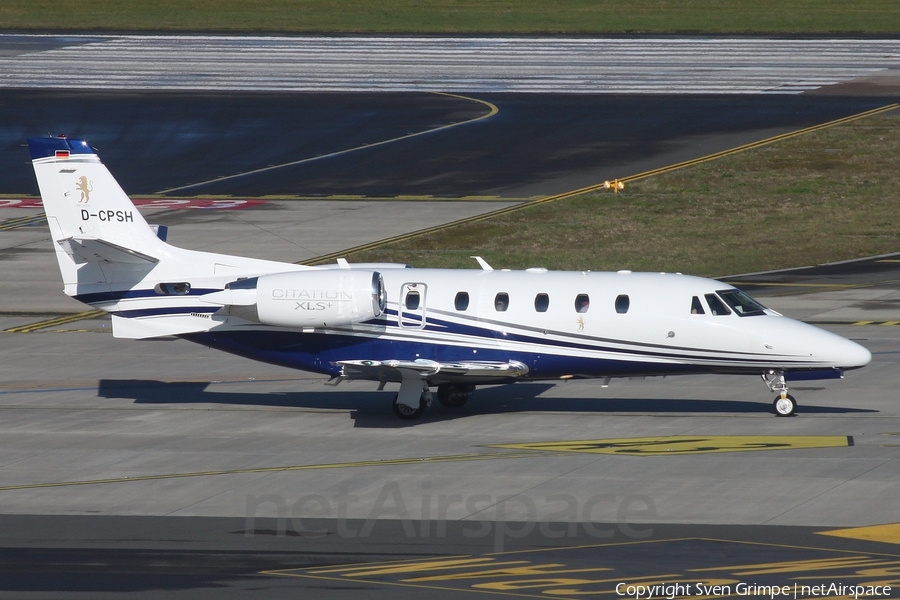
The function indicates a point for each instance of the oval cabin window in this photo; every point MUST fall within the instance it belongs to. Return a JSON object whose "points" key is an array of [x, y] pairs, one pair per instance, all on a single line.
{"points": [[462, 301], [501, 302], [582, 303]]}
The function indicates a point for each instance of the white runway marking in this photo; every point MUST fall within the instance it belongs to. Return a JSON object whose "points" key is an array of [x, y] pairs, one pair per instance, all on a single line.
{"points": [[366, 64]]}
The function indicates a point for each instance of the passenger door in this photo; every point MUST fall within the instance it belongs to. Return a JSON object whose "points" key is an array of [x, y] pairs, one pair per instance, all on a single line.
{"points": [[411, 312]]}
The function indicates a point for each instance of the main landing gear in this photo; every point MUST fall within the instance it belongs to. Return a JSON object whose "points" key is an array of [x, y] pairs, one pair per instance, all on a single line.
{"points": [[450, 395], [412, 399], [785, 405], [454, 395], [407, 412]]}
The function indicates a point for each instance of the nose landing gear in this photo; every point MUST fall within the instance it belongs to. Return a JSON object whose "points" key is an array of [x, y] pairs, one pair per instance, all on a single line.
{"points": [[785, 405]]}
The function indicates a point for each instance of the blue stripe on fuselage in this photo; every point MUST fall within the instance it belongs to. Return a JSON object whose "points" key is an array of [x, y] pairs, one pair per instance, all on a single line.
{"points": [[96, 297], [439, 326], [317, 353]]}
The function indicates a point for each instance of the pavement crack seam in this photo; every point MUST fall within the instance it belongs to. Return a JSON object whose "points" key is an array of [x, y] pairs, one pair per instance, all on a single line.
{"points": [[823, 492], [211, 496]]}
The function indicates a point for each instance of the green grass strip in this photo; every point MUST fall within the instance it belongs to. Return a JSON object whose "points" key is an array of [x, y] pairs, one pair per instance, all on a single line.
{"points": [[458, 16]]}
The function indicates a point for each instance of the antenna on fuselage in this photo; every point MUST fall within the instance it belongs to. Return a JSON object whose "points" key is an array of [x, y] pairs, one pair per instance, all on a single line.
{"points": [[483, 263]]}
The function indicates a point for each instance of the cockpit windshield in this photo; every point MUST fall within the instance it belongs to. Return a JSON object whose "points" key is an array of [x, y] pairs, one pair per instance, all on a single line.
{"points": [[741, 303]]}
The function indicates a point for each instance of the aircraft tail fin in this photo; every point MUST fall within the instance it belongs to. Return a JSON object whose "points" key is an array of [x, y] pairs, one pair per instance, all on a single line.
{"points": [[99, 236], [112, 259]]}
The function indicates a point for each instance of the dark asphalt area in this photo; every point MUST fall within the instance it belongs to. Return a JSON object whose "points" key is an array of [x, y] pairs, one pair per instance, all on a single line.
{"points": [[537, 144], [187, 557]]}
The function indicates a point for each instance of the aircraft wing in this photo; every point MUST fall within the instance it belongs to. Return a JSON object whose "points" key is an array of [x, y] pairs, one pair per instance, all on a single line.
{"points": [[397, 370]]}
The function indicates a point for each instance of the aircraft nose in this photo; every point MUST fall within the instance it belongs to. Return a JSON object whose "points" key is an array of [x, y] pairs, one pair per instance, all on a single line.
{"points": [[822, 346], [850, 355]]}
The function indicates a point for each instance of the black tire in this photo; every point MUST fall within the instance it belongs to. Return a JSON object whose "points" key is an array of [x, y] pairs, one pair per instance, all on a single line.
{"points": [[454, 395], [785, 407], [404, 412]]}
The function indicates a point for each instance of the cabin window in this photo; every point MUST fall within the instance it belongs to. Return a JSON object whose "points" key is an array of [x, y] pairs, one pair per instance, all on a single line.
{"points": [[697, 306], [582, 303], [173, 289], [742, 304], [412, 300], [541, 302], [715, 305], [501, 302], [462, 301], [622, 304]]}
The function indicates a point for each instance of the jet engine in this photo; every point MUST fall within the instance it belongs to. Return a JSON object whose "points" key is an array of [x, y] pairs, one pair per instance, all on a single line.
{"points": [[327, 298]]}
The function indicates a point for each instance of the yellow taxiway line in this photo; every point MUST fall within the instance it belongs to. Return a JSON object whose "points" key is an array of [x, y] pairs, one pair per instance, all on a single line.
{"points": [[25, 221], [653, 446], [91, 314], [345, 465]]}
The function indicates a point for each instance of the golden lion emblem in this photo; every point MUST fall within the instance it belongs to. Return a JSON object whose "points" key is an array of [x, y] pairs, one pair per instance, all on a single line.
{"points": [[85, 187]]}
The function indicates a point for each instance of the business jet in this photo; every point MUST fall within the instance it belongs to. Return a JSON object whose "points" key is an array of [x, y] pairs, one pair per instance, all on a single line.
{"points": [[452, 329]]}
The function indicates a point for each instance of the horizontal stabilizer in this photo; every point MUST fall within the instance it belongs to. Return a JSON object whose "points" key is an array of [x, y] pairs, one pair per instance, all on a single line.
{"points": [[84, 250], [139, 328]]}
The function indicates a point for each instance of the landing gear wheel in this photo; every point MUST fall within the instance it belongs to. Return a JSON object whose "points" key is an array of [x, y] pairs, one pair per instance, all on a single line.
{"points": [[405, 412], [785, 407], [454, 395]]}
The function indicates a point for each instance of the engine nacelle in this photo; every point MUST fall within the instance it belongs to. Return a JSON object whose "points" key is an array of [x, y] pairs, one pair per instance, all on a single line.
{"points": [[327, 298]]}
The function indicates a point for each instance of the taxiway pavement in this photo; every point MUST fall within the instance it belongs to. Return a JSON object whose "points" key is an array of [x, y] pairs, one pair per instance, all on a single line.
{"points": [[93, 425]]}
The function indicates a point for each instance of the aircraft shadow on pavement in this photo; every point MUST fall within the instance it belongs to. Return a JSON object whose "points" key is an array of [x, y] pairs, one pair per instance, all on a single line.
{"points": [[373, 409]]}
